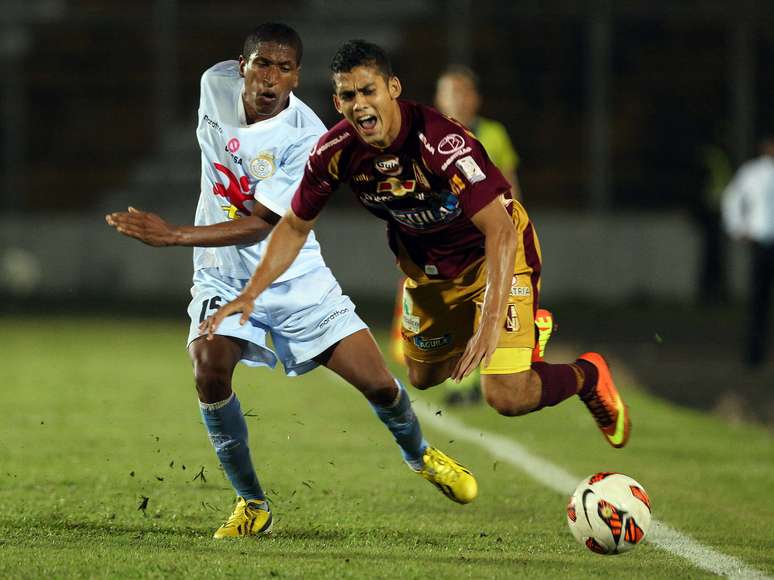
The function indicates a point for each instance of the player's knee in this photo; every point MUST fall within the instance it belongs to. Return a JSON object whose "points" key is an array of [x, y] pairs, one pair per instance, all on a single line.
{"points": [[507, 394], [380, 390], [213, 382]]}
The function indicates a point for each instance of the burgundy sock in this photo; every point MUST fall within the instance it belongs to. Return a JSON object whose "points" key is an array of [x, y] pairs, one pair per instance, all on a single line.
{"points": [[560, 382], [590, 376]]}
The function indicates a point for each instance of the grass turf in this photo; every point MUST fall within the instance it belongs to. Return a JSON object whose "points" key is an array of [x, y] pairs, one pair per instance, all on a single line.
{"points": [[101, 414]]}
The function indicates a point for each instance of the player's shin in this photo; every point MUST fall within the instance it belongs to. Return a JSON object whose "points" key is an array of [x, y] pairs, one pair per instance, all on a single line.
{"points": [[227, 430], [400, 419]]}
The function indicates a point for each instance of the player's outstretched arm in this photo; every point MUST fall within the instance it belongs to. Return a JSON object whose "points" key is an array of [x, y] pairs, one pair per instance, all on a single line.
{"points": [[495, 223], [285, 244], [153, 230]]}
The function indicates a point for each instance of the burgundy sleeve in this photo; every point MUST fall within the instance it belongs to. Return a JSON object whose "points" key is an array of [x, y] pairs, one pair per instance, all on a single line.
{"points": [[461, 159], [315, 188]]}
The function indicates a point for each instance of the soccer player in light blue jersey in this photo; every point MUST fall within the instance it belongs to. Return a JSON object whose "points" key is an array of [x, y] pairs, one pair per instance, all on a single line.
{"points": [[255, 136]]}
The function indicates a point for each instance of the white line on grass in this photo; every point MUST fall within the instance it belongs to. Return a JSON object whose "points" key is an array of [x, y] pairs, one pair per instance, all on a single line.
{"points": [[556, 478]]}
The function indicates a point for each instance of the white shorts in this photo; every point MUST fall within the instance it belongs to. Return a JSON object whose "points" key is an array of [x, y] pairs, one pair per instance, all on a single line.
{"points": [[304, 316]]}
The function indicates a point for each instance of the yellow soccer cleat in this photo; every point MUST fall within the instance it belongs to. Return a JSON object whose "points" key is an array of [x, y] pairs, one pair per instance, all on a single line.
{"points": [[454, 480], [248, 519]]}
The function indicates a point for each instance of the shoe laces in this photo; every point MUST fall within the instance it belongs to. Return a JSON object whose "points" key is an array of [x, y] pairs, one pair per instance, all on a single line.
{"points": [[240, 514], [442, 469], [602, 412]]}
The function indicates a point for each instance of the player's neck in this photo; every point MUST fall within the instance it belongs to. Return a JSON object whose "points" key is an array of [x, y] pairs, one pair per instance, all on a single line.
{"points": [[253, 116]]}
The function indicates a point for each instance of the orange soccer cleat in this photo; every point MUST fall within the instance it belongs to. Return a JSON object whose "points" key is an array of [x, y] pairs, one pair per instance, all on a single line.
{"points": [[607, 406]]}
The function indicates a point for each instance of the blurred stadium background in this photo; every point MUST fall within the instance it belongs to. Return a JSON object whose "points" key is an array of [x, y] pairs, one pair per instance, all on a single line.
{"points": [[622, 112]]}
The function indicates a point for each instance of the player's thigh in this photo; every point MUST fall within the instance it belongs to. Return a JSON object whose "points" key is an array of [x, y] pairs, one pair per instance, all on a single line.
{"points": [[357, 359], [426, 375], [438, 318], [210, 291]]}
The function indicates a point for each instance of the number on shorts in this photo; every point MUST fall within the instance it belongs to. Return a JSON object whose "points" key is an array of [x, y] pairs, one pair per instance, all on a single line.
{"points": [[209, 304]]}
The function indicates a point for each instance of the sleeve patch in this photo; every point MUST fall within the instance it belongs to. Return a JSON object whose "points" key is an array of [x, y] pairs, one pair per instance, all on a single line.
{"points": [[470, 169]]}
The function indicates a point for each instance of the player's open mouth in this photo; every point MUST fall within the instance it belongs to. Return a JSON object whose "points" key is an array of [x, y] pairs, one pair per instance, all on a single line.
{"points": [[267, 96], [367, 123]]}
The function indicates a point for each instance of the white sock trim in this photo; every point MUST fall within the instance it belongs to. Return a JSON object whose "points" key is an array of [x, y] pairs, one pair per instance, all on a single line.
{"points": [[397, 397], [216, 406]]}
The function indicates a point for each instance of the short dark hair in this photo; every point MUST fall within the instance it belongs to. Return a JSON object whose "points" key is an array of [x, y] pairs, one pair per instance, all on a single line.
{"points": [[460, 70], [273, 32], [355, 53]]}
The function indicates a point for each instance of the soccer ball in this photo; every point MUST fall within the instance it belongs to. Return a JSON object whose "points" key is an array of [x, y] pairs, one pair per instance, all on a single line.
{"points": [[609, 513]]}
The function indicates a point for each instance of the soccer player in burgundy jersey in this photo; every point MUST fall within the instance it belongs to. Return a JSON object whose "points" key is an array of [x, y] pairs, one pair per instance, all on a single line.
{"points": [[470, 252]]}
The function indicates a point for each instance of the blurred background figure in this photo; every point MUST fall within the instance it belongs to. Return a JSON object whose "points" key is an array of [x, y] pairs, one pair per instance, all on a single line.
{"points": [[457, 96], [748, 214], [712, 283]]}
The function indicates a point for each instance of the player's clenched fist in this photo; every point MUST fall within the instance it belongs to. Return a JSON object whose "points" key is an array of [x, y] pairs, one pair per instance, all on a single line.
{"points": [[147, 227]]}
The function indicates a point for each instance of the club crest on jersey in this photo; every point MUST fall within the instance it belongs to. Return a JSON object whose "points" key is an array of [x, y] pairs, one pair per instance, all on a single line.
{"points": [[451, 143], [388, 164], [512, 319], [262, 165]]}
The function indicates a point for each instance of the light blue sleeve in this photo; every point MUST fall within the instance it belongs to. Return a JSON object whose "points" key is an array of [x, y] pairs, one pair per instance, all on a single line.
{"points": [[276, 192]]}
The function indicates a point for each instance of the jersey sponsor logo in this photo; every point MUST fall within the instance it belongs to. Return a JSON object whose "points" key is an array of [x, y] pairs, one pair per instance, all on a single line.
{"points": [[451, 143], [332, 316], [423, 140], [396, 187], [410, 322], [233, 145], [388, 164], [455, 155], [517, 290], [212, 124], [262, 165], [432, 343], [237, 191], [420, 219], [470, 169], [325, 146], [512, 319]]}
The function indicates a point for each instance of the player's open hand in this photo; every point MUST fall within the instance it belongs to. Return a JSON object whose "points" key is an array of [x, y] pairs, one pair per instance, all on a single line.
{"points": [[241, 303], [478, 351], [145, 226]]}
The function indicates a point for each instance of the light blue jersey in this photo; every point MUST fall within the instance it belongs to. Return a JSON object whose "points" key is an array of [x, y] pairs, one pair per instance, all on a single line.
{"points": [[242, 163], [304, 311]]}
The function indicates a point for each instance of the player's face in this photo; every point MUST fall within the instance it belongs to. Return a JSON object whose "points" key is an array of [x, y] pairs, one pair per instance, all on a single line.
{"points": [[369, 102], [270, 73], [456, 97]]}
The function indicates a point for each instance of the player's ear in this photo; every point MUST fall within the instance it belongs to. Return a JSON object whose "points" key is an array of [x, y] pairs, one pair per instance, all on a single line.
{"points": [[337, 103], [296, 77], [394, 86], [242, 64]]}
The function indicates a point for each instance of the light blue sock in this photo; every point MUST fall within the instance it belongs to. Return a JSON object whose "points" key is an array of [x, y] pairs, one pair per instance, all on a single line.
{"points": [[228, 432], [400, 419]]}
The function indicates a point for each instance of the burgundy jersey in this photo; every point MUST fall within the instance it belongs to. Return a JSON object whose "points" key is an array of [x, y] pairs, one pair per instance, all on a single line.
{"points": [[427, 185]]}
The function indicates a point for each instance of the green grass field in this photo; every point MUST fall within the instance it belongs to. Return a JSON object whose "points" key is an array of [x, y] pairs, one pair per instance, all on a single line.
{"points": [[99, 414]]}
